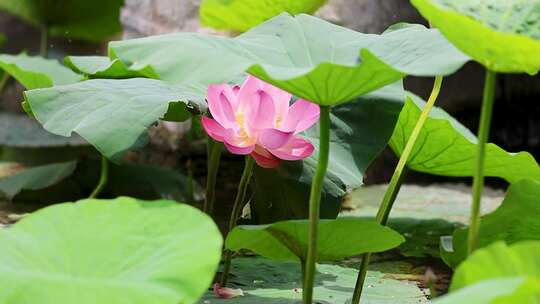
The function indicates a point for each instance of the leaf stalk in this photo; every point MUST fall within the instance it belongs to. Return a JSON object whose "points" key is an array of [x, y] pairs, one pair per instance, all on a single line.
{"points": [[214, 156], [103, 177]]}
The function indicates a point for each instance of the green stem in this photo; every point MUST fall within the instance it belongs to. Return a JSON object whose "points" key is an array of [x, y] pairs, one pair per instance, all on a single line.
{"points": [[44, 41], [478, 180], [3, 81], [214, 156], [237, 209], [104, 176], [395, 183], [314, 203]]}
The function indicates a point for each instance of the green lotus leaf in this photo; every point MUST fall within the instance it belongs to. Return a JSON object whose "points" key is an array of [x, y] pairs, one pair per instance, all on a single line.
{"points": [[36, 72], [515, 220], [446, 147], [109, 251], [504, 35], [304, 55], [338, 239], [266, 281], [112, 115], [103, 67], [35, 178], [88, 20], [360, 130], [242, 15]]}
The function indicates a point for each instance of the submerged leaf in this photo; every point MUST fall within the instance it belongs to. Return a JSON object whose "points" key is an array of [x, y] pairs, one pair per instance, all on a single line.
{"points": [[515, 220], [338, 239], [37, 72], [504, 35], [35, 178], [446, 147], [112, 115], [109, 251], [241, 15], [304, 55]]}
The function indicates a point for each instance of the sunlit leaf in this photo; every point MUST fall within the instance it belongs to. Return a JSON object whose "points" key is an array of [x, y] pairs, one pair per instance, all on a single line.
{"points": [[109, 251], [515, 220], [359, 132], [338, 239], [241, 15], [502, 35], [446, 147], [304, 55], [88, 20], [112, 115], [35, 178], [36, 72]]}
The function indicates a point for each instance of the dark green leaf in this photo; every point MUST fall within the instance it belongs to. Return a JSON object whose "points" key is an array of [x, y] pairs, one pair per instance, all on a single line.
{"points": [[359, 132], [445, 147], [515, 220], [35, 178], [242, 15], [36, 72], [103, 67], [112, 115], [88, 20], [502, 35], [338, 239], [109, 251]]}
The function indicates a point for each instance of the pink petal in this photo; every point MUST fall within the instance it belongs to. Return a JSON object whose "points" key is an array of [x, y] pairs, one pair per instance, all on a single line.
{"points": [[273, 138], [264, 115], [296, 149], [239, 150], [213, 128], [236, 89], [302, 115], [248, 93], [222, 101], [265, 160], [281, 99], [226, 293]]}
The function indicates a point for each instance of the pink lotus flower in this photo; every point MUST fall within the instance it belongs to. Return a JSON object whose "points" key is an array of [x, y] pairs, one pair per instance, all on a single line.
{"points": [[257, 119]]}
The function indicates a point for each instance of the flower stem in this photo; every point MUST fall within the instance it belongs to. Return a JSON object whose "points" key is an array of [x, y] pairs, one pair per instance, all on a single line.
{"points": [[104, 176], [237, 209], [478, 180], [395, 183], [314, 203], [3, 81], [44, 41], [214, 156]]}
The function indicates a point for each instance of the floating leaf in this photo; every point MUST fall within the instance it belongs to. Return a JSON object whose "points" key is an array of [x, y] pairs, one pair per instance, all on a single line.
{"points": [[103, 67], [498, 274], [112, 115], [35, 178], [271, 282], [304, 55], [88, 20], [110, 251], [515, 220], [36, 72], [241, 15], [338, 239], [504, 35], [445, 147], [359, 132]]}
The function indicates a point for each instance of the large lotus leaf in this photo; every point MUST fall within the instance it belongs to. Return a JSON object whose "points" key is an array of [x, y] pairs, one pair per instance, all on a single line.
{"points": [[445, 147], [35, 178], [103, 67], [496, 291], [515, 220], [112, 115], [359, 132], [502, 35], [338, 239], [304, 55], [242, 15], [265, 281], [109, 251], [36, 72], [89, 20], [21, 131]]}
